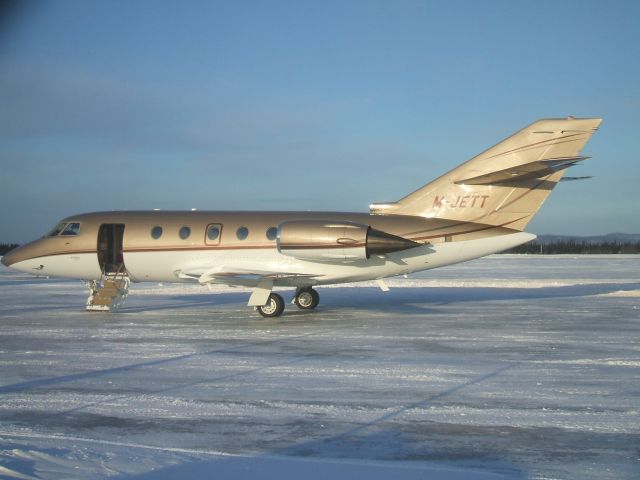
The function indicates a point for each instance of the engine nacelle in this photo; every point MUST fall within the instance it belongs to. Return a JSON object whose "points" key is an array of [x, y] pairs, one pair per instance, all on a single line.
{"points": [[336, 241], [323, 241]]}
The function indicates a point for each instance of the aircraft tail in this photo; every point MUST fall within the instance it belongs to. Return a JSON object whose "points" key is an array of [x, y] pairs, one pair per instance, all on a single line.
{"points": [[506, 184]]}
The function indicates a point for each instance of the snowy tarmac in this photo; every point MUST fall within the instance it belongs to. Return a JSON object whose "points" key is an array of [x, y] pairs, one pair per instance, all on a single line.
{"points": [[507, 367]]}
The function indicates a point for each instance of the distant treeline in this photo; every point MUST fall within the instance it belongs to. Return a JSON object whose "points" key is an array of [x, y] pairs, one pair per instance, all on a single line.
{"points": [[576, 247], [5, 247]]}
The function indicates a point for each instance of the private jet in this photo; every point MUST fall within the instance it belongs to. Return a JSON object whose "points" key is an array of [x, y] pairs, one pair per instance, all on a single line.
{"points": [[478, 208]]}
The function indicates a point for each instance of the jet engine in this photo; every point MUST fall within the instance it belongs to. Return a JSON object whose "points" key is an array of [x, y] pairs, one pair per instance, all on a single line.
{"points": [[345, 241]]}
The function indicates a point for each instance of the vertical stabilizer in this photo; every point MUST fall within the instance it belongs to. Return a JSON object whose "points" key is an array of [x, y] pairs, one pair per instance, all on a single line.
{"points": [[506, 184]]}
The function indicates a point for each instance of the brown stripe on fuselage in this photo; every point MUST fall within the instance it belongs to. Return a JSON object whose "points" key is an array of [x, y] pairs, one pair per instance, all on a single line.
{"points": [[199, 247]]}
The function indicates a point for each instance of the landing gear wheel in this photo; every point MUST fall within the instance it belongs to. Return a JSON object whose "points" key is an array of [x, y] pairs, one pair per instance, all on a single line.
{"points": [[274, 306], [306, 299]]}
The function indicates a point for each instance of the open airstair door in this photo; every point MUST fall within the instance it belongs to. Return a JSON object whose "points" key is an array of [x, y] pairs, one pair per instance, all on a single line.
{"points": [[110, 256]]}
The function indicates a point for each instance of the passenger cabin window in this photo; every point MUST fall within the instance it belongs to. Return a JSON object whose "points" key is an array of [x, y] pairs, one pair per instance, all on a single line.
{"points": [[272, 233], [71, 229], [213, 232], [184, 232], [56, 230], [242, 233], [156, 232]]}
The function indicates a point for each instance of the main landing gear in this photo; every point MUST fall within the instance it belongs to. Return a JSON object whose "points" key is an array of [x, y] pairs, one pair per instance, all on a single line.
{"points": [[304, 299]]}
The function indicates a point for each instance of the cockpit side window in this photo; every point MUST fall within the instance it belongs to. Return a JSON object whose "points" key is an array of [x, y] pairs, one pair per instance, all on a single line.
{"points": [[56, 230], [71, 229]]}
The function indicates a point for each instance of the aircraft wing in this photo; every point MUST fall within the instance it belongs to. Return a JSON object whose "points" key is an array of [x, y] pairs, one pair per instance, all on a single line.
{"points": [[237, 276], [261, 282]]}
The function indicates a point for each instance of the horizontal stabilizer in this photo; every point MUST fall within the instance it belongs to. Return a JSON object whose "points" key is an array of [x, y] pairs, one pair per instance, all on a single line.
{"points": [[572, 179], [527, 171]]}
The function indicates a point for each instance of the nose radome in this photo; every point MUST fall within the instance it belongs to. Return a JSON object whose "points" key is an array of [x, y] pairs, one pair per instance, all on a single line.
{"points": [[15, 255], [6, 259], [17, 258]]}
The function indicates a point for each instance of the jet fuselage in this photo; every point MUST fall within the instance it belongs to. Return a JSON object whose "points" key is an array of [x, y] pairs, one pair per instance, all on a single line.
{"points": [[185, 245]]}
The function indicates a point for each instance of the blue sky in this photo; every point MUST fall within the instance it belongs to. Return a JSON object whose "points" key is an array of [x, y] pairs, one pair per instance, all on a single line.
{"points": [[304, 105]]}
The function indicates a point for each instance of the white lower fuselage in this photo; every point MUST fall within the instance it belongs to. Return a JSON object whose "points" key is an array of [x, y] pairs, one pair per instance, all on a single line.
{"points": [[188, 265]]}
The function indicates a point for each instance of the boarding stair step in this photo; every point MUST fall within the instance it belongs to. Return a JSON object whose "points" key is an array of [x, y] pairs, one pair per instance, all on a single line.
{"points": [[108, 294]]}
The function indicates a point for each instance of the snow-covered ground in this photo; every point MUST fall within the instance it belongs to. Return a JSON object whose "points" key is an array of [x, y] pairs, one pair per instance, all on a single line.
{"points": [[505, 367]]}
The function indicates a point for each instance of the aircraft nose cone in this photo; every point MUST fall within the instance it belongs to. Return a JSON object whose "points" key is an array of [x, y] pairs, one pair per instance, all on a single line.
{"points": [[16, 255], [7, 259]]}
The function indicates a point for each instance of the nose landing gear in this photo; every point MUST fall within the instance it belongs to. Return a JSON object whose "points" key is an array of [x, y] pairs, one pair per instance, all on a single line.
{"points": [[273, 308]]}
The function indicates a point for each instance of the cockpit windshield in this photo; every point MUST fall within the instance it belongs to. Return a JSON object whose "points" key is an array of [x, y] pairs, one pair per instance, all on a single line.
{"points": [[66, 229], [56, 230], [71, 229]]}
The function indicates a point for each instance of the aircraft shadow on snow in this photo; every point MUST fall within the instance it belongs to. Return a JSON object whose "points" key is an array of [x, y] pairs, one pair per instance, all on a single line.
{"points": [[400, 299]]}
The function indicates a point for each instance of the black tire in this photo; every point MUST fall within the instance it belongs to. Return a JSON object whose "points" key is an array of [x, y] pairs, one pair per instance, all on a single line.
{"points": [[274, 306], [307, 299]]}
